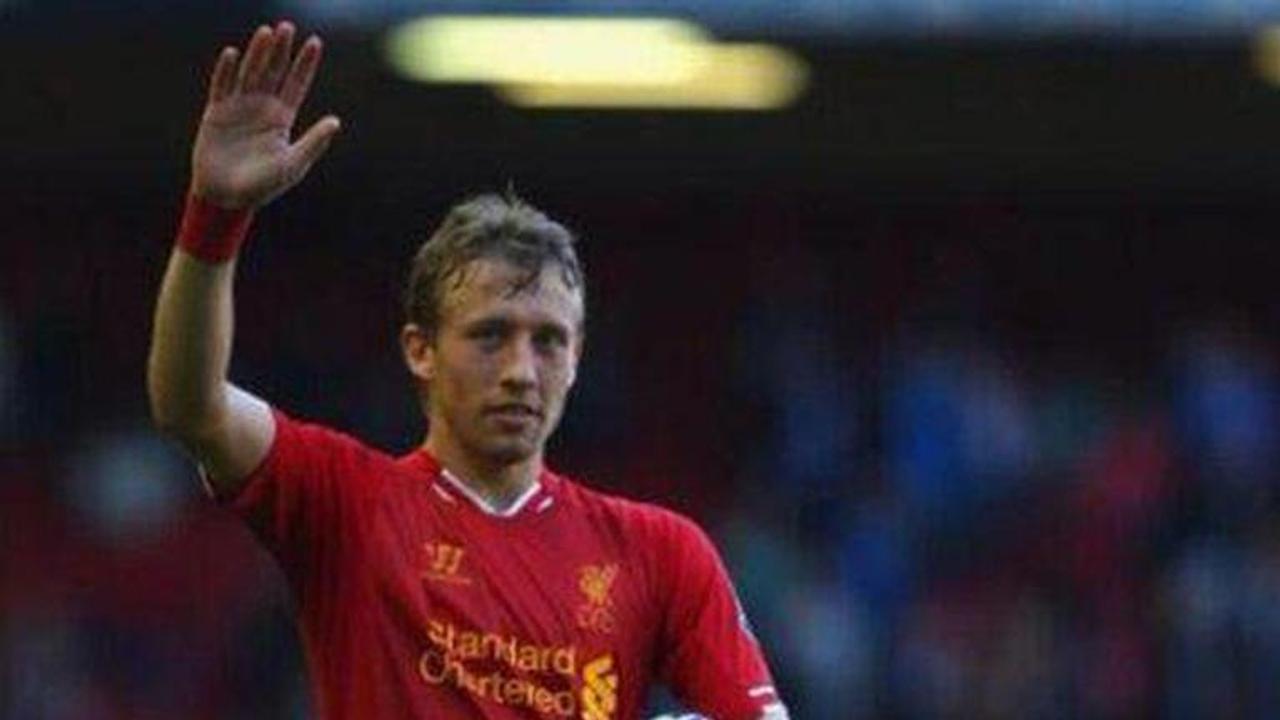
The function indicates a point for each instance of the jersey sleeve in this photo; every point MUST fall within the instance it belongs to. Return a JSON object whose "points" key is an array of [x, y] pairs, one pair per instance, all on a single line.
{"points": [[712, 662], [304, 501]]}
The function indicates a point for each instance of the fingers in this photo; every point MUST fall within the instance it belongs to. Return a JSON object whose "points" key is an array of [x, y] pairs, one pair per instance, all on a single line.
{"points": [[298, 82], [312, 144], [281, 50], [256, 57], [266, 65], [223, 79]]}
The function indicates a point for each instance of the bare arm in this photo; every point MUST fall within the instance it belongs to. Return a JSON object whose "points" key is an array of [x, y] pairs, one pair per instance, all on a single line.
{"points": [[242, 159]]}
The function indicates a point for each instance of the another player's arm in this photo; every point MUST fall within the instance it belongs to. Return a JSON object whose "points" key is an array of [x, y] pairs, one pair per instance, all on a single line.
{"points": [[241, 160]]}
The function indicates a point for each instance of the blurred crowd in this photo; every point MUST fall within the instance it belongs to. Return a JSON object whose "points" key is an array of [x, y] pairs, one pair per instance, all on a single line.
{"points": [[953, 472], [1024, 542]]}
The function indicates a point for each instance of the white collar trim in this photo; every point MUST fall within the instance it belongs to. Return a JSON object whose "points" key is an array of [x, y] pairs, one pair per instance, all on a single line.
{"points": [[485, 506]]}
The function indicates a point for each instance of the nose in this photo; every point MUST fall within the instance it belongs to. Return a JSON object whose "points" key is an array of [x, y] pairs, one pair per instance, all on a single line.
{"points": [[519, 365]]}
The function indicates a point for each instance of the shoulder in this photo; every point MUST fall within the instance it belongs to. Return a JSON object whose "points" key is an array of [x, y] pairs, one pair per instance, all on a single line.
{"points": [[292, 428], [311, 435], [308, 449]]}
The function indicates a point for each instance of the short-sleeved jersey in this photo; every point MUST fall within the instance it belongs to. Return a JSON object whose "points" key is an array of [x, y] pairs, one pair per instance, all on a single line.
{"points": [[416, 602]]}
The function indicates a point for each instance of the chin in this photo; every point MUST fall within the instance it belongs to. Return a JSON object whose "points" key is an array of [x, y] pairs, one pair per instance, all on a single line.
{"points": [[510, 453]]}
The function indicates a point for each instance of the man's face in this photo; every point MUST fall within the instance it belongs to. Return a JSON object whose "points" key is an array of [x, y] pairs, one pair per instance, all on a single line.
{"points": [[503, 360]]}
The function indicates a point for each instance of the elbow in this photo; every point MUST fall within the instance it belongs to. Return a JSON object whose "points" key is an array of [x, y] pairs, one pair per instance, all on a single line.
{"points": [[184, 416], [191, 429], [166, 417], [164, 420]]}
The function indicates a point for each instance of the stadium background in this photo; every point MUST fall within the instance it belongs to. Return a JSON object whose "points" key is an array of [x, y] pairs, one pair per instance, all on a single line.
{"points": [[968, 359]]}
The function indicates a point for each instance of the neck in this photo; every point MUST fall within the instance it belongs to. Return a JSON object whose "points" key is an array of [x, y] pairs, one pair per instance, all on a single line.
{"points": [[498, 484]]}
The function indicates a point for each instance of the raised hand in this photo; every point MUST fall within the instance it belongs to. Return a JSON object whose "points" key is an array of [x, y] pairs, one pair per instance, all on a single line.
{"points": [[243, 157]]}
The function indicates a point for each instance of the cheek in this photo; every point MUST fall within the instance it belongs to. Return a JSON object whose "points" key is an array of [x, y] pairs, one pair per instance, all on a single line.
{"points": [[558, 378], [464, 379]]}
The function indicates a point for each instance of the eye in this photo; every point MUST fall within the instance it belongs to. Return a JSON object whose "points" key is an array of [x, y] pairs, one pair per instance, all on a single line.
{"points": [[551, 339], [488, 335]]}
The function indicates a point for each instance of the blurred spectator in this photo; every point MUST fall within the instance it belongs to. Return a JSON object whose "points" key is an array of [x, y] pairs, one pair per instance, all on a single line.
{"points": [[128, 485], [1228, 394], [957, 434]]}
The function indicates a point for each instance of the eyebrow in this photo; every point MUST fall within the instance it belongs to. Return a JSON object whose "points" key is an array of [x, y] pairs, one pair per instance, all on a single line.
{"points": [[505, 322]]}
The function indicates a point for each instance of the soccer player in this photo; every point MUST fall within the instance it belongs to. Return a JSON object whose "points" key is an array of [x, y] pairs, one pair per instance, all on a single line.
{"points": [[464, 579]]}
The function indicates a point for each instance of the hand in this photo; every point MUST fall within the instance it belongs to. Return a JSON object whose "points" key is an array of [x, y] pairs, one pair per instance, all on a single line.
{"points": [[242, 156]]}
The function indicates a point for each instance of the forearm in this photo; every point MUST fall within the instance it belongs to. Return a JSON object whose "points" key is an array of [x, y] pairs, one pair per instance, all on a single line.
{"points": [[191, 347], [227, 429]]}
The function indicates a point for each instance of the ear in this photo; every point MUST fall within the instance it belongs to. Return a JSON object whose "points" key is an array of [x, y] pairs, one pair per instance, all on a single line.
{"points": [[419, 352]]}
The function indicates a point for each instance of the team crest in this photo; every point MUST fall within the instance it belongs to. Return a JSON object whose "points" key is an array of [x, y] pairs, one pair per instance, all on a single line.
{"points": [[596, 584]]}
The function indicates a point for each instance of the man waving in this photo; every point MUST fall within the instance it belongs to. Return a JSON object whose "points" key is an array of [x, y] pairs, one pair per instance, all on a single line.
{"points": [[464, 579]]}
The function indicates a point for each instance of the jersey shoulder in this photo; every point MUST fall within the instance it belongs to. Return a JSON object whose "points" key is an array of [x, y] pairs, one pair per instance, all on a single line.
{"points": [[314, 456], [294, 434]]}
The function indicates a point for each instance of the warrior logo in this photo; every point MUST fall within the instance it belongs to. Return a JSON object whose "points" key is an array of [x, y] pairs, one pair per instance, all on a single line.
{"points": [[441, 562]]}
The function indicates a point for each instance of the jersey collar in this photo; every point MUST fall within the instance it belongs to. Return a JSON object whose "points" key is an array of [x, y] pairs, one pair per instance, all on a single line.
{"points": [[535, 500], [485, 506]]}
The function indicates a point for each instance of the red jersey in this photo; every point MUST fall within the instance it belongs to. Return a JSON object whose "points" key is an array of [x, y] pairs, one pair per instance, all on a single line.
{"points": [[414, 601]]}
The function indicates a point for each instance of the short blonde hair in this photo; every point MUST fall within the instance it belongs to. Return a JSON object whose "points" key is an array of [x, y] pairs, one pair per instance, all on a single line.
{"points": [[497, 226]]}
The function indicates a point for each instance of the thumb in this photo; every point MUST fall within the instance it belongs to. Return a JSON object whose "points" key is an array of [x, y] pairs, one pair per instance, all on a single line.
{"points": [[312, 144]]}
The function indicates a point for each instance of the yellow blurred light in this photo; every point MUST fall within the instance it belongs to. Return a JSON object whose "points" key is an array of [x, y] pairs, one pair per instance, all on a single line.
{"points": [[597, 62], [730, 77], [508, 49], [1266, 54]]}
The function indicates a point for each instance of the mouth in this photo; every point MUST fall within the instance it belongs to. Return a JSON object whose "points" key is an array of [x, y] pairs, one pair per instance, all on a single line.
{"points": [[514, 411]]}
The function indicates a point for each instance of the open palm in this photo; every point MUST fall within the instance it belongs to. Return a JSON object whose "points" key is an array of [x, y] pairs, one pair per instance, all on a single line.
{"points": [[243, 156]]}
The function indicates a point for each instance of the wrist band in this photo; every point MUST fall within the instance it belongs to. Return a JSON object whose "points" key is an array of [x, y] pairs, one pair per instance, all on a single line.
{"points": [[211, 233]]}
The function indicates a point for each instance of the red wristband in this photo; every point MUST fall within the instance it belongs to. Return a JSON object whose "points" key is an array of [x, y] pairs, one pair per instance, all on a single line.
{"points": [[211, 233]]}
